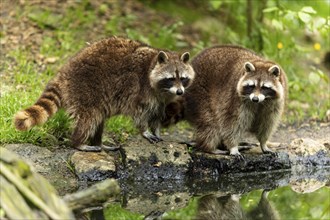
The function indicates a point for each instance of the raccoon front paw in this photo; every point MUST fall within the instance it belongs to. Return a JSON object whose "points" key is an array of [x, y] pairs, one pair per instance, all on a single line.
{"points": [[270, 152], [238, 156], [266, 150], [110, 148], [151, 138], [234, 152], [89, 148]]}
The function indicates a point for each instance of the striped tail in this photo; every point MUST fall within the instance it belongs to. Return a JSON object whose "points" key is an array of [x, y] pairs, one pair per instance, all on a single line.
{"points": [[46, 106]]}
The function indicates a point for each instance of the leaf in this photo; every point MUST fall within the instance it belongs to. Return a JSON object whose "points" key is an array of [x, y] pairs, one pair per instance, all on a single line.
{"points": [[308, 9], [319, 22], [215, 4], [277, 24], [314, 78], [271, 9], [290, 16], [304, 17]]}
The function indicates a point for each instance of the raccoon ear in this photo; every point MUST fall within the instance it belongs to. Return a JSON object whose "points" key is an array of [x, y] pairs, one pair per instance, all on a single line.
{"points": [[249, 67], [275, 70], [185, 57], [162, 57]]}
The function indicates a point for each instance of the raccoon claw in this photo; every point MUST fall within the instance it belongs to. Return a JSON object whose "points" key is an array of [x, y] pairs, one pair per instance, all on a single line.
{"points": [[238, 156], [268, 151], [151, 138], [275, 154], [110, 148], [234, 152], [89, 148]]}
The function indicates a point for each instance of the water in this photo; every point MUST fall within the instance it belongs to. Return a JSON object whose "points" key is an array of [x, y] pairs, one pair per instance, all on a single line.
{"points": [[293, 195]]}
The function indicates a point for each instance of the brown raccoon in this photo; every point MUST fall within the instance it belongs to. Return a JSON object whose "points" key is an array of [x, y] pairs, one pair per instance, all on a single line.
{"points": [[174, 112], [212, 207], [264, 210], [228, 207], [235, 92], [110, 77]]}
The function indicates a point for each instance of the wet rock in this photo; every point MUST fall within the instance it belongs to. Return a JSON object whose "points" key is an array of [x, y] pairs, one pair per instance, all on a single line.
{"points": [[305, 147], [325, 142], [52, 164], [158, 202], [309, 152], [37, 157], [145, 161], [306, 185], [93, 166], [207, 164]]}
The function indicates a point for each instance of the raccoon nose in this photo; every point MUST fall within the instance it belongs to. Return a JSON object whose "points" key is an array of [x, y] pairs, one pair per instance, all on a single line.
{"points": [[255, 99], [179, 92]]}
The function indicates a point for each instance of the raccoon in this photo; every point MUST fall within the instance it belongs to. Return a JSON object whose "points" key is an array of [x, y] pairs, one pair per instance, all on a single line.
{"points": [[213, 207], [264, 210], [109, 77], [236, 92]]}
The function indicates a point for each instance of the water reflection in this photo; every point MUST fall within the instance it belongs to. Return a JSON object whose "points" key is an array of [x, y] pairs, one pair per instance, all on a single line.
{"points": [[294, 197], [213, 207]]}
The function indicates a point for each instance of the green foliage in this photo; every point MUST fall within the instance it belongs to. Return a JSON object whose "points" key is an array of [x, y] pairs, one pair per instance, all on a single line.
{"points": [[292, 205], [114, 211], [122, 126], [302, 206], [188, 212]]}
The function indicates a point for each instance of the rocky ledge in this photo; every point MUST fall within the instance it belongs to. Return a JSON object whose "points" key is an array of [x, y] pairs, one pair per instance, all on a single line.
{"points": [[140, 161]]}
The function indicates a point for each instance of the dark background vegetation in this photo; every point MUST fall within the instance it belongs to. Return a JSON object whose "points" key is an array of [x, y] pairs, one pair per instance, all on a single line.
{"points": [[37, 37]]}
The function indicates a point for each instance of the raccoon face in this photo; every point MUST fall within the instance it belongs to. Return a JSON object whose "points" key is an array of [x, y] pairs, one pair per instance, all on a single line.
{"points": [[260, 82], [172, 74]]}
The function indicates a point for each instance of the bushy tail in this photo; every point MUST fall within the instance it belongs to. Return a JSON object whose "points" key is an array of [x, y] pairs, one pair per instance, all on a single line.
{"points": [[46, 106]]}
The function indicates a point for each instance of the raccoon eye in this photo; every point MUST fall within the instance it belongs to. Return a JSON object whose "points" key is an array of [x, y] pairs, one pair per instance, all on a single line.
{"points": [[268, 92], [171, 79], [184, 81], [248, 89]]}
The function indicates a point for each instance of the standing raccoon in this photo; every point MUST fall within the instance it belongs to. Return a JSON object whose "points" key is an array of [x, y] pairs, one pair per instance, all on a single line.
{"points": [[235, 92], [110, 77]]}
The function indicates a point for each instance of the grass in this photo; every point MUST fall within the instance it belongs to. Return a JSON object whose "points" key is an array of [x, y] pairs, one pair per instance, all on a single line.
{"points": [[26, 71]]}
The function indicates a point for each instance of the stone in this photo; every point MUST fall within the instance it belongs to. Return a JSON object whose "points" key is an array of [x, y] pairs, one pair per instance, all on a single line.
{"points": [[308, 152], [254, 161], [37, 157], [164, 160], [93, 166], [306, 185], [160, 202], [305, 147], [52, 164]]}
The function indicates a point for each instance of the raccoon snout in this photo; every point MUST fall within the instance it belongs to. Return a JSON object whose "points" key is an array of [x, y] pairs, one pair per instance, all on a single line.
{"points": [[179, 92], [255, 99]]}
